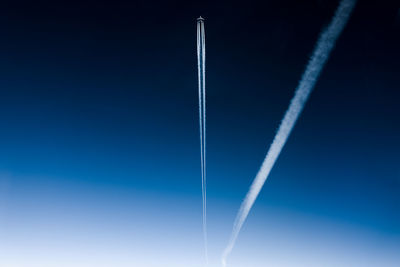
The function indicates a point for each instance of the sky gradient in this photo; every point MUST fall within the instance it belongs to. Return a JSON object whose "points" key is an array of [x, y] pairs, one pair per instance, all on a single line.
{"points": [[99, 146]]}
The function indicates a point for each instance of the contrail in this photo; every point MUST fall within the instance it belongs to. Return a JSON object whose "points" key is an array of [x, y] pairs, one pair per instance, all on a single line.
{"points": [[323, 48], [201, 64]]}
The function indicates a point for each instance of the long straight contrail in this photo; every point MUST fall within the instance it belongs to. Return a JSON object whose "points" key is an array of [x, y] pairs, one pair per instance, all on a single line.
{"points": [[201, 66], [323, 48]]}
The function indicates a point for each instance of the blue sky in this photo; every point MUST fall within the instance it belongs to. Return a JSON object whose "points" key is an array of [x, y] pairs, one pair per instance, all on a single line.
{"points": [[99, 143]]}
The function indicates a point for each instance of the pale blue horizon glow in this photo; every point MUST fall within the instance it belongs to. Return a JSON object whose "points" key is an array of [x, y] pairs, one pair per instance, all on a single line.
{"points": [[67, 225]]}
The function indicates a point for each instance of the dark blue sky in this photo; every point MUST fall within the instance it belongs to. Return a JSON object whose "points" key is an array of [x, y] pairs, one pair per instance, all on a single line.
{"points": [[98, 109]]}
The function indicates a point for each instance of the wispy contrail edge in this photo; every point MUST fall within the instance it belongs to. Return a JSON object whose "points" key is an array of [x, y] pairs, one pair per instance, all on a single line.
{"points": [[321, 53]]}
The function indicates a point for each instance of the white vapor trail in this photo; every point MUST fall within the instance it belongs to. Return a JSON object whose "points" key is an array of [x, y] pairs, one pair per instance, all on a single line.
{"points": [[321, 53], [201, 57]]}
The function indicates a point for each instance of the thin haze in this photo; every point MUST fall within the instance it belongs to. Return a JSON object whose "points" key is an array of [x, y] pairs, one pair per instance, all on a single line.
{"points": [[201, 56], [323, 48]]}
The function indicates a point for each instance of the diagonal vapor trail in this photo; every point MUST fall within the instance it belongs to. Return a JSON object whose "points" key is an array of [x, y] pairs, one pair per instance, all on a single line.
{"points": [[323, 48], [201, 57]]}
